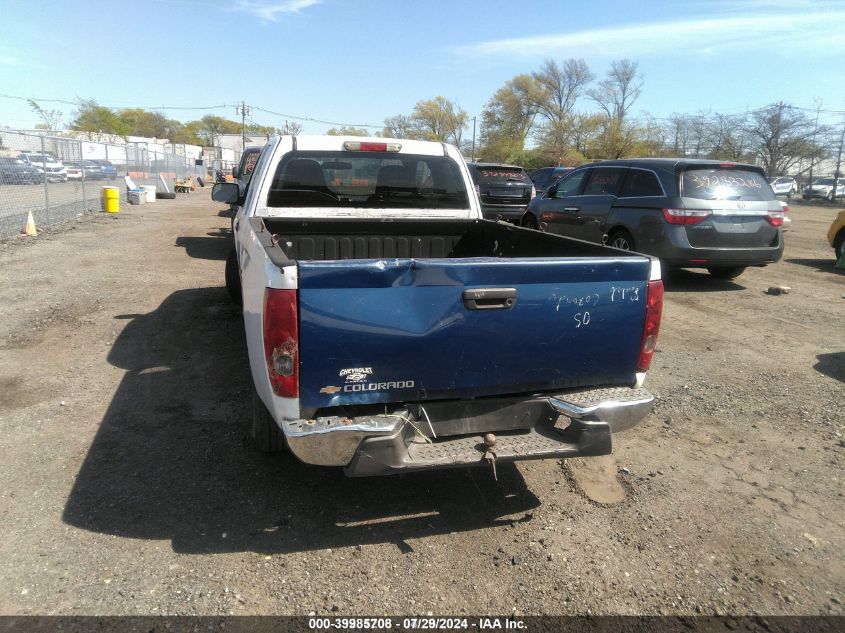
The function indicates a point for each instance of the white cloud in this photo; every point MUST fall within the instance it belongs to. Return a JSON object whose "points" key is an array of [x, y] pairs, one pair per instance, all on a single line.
{"points": [[271, 10], [818, 32], [8, 60]]}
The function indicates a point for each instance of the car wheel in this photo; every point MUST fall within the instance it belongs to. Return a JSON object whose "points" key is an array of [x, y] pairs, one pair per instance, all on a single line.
{"points": [[264, 433], [726, 272], [233, 277], [839, 244], [806, 197], [165, 195], [529, 222], [621, 239]]}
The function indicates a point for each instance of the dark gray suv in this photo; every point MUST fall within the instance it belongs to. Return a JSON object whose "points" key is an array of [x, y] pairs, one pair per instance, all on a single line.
{"points": [[504, 190], [689, 213]]}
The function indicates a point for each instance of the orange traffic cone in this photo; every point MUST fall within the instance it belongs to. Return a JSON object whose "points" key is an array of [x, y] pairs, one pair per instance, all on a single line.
{"points": [[29, 229]]}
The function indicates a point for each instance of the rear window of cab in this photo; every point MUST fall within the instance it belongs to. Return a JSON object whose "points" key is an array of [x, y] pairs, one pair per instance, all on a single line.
{"points": [[725, 184]]}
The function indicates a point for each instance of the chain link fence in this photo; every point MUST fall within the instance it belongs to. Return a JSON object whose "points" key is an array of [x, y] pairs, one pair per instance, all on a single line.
{"points": [[58, 179]]}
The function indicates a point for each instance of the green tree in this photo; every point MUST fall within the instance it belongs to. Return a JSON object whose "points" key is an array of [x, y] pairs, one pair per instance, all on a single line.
{"points": [[399, 126], [439, 119], [348, 131], [507, 120], [211, 127], [96, 119]]}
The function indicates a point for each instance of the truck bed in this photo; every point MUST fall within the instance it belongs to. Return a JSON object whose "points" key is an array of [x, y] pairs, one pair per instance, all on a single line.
{"points": [[314, 240]]}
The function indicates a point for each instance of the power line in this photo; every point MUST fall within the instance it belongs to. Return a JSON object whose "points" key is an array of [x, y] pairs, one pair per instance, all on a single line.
{"points": [[313, 120]]}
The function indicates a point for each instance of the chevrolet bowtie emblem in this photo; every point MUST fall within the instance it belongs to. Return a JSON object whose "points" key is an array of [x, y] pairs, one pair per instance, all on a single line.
{"points": [[330, 389]]}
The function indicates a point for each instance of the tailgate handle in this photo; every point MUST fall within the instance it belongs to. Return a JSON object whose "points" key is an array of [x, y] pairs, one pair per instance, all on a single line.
{"points": [[489, 298], [572, 209]]}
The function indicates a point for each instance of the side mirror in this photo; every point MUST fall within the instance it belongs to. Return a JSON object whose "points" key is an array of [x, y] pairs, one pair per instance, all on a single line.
{"points": [[235, 172], [226, 192]]}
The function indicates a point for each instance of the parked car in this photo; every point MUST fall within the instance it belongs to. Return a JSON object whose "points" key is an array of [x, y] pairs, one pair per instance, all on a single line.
{"points": [[74, 170], [545, 177], [47, 164], [504, 190], [689, 213], [784, 186], [823, 188], [87, 169], [16, 172], [385, 319], [836, 235], [106, 168]]}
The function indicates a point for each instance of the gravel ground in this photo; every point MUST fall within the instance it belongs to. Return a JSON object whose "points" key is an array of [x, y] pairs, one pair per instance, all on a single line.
{"points": [[128, 487]]}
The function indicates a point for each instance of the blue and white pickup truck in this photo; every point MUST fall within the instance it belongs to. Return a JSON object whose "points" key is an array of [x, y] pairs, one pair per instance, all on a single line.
{"points": [[391, 329]]}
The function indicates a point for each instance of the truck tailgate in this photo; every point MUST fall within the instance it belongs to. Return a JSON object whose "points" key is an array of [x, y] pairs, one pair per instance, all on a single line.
{"points": [[405, 330]]}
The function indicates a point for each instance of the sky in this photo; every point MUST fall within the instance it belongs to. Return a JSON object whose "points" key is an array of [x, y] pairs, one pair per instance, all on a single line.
{"points": [[357, 62]]}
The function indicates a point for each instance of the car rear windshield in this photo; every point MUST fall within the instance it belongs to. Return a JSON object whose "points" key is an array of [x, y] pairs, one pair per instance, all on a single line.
{"points": [[489, 174], [725, 184], [368, 180]]}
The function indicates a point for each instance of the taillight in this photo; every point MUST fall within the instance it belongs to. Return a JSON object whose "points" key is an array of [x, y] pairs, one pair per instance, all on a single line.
{"points": [[653, 312], [775, 218], [281, 341], [686, 216]]}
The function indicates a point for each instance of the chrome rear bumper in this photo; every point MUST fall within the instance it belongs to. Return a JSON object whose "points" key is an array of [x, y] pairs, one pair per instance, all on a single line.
{"points": [[422, 436]]}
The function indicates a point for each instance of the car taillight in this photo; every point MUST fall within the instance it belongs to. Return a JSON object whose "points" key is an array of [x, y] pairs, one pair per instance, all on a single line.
{"points": [[653, 312], [686, 216], [775, 218], [281, 341]]}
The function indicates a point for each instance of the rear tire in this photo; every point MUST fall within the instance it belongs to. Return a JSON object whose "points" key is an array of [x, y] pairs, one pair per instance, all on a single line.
{"points": [[233, 277], [726, 272], [264, 433], [621, 239], [529, 222], [839, 244], [165, 195]]}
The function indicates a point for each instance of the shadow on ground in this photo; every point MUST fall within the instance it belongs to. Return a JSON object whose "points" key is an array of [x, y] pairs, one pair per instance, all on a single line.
{"points": [[826, 265], [832, 365], [216, 246], [682, 280], [170, 460]]}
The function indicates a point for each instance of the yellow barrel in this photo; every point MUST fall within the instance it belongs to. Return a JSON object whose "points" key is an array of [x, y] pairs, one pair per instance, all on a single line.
{"points": [[111, 199]]}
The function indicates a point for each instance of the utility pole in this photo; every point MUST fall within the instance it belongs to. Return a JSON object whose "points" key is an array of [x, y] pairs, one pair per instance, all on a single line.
{"points": [[244, 110], [837, 174], [815, 129], [473, 139]]}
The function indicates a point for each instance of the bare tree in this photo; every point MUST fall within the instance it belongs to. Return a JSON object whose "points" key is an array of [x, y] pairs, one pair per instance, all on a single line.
{"points": [[783, 137], [618, 91], [556, 91], [51, 119], [291, 128]]}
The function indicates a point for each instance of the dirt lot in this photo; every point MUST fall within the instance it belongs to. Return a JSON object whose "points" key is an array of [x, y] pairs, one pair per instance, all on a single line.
{"points": [[128, 487]]}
